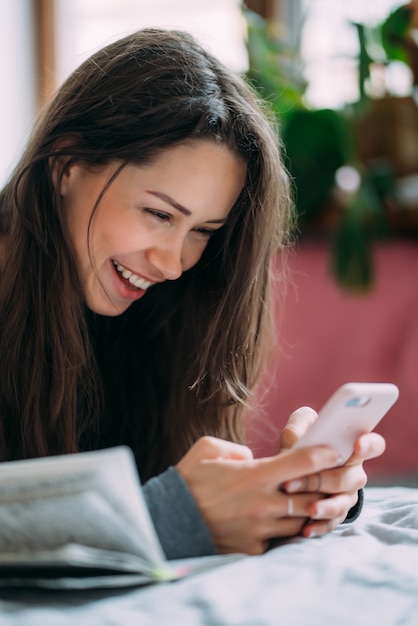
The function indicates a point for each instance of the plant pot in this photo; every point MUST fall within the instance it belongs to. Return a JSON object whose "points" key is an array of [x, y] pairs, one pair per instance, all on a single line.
{"points": [[389, 131]]}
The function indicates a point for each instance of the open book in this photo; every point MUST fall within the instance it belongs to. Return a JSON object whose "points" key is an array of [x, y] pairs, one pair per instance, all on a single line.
{"points": [[80, 521]]}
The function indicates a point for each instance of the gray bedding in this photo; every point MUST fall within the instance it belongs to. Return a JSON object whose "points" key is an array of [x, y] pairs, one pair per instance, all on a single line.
{"points": [[364, 574]]}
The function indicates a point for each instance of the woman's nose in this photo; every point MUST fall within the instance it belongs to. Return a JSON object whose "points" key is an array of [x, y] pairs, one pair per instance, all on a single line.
{"points": [[167, 260]]}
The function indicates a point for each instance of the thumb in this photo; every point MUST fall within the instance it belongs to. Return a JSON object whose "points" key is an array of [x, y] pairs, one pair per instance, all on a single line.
{"points": [[297, 424]]}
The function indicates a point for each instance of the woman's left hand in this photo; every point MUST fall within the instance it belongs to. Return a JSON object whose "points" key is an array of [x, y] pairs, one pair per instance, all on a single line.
{"points": [[339, 485]]}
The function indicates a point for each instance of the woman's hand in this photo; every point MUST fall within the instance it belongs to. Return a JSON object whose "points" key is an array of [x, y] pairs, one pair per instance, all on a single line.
{"points": [[339, 486], [240, 498]]}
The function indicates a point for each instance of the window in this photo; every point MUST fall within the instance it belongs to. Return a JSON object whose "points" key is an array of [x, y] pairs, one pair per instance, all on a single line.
{"points": [[83, 26], [329, 48], [17, 102], [79, 27]]}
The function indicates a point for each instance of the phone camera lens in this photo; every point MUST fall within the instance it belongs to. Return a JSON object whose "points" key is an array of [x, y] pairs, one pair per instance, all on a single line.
{"points": [[358, 401]]}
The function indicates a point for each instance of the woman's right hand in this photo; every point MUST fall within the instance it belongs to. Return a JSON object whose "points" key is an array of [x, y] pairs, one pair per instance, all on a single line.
{"points": [[240, 498]]}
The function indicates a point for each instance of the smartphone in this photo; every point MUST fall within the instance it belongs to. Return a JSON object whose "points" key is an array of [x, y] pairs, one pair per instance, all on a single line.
{"points": [[353, 410]]}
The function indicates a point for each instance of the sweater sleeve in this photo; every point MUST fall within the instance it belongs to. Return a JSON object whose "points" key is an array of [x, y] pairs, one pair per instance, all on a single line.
{"points": [[355, 511], [180, 527]]}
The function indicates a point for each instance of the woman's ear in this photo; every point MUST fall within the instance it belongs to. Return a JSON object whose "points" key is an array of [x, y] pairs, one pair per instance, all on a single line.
{"points": [[60, 165], [65, 176], [57, 167]]}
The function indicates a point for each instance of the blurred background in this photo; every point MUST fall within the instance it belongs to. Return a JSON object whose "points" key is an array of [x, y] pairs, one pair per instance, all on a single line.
{"points": [[342, 79]]}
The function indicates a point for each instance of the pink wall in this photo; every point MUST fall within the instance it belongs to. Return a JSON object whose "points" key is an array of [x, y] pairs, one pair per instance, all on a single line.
{"points": [[331, 337]]}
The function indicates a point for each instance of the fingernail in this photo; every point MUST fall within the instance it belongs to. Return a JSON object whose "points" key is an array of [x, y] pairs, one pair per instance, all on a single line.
{"points": [[293, 485], [319, 512], [310, 533], [364, 447]]}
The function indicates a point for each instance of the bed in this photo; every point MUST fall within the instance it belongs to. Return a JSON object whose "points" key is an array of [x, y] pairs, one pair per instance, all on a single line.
{"points": [[365, 573]]}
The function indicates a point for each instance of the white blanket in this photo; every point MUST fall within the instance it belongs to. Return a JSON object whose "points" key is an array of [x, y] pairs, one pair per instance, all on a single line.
{"points": [[363, 574]]}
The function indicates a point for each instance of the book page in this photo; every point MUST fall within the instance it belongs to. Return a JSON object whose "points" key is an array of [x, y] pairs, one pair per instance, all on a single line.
{"points": [[91, 499], [82, 518]]}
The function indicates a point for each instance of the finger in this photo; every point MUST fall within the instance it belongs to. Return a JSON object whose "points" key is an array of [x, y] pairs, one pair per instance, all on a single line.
{"points": [[368, 446], [336, 480], [299, 505], [297, 424], [332, 508], [318, 529], [271, 521], [275, 531], [328, 514], [287, 527], [292, 515], [306, 484], [292, 464]]}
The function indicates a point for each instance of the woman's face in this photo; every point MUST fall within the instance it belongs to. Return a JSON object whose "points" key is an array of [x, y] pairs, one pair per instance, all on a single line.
{"points": [[153, 222]]}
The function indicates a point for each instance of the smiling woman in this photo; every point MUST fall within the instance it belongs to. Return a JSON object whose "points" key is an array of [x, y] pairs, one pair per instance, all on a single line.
{"points": [[142, 234], [138, 235]]}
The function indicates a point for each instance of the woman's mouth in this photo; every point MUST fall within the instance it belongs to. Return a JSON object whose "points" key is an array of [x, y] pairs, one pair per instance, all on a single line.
{"points": [[131, 280]]}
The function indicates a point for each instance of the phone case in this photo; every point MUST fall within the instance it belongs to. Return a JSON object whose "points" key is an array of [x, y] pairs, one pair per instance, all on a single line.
{"points": [[354, 409]]}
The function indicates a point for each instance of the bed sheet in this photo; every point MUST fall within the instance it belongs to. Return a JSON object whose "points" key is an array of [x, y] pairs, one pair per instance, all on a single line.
{"points": [[364, 573]]}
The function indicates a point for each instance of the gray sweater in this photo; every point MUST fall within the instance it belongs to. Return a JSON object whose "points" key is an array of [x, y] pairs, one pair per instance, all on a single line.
{"points": [[180, 527]]}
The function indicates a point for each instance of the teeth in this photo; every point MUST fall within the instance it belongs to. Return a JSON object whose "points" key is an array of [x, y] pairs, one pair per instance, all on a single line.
{"points": [[135, 280]]}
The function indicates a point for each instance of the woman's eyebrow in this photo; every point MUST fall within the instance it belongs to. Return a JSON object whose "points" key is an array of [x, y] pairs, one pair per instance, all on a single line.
{"points": [[180, 207], [171, 202]]}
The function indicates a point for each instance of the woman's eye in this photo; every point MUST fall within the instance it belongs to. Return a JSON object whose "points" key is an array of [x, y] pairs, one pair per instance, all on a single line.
{"points": [[205, 232], [164, 217]]}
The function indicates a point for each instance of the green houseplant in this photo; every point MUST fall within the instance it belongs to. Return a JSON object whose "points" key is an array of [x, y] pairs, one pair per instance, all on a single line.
{"points": [[320, 144]]}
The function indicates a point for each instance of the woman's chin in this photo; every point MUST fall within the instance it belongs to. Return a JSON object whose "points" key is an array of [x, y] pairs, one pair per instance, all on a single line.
{"points": [[107, 307]]}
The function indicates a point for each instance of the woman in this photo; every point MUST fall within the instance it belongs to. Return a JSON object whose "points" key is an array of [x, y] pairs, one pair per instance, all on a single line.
{"points": [[137, 238]]}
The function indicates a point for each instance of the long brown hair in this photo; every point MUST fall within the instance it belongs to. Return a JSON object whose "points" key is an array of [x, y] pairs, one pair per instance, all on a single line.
{"points": [[181, 362]]}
